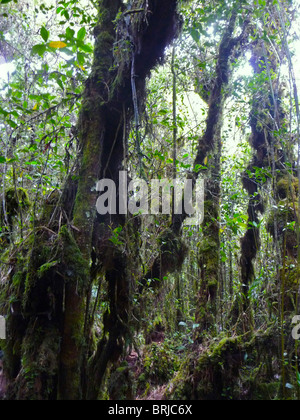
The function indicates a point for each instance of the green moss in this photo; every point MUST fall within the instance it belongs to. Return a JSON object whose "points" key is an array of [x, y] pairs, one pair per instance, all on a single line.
{"points": [[120, 384], [50, 205], [181, 387], [212, 374], [76, 268], [40, 353], [173, 250], [207, 246], [208, 262], [37, 257], [212, 283], [284, 218], [282, 215], [293, 276], [287, 188], [16, 199], [16, 202], [211, 211], [45, 268], [17, 279], [267, 391]]}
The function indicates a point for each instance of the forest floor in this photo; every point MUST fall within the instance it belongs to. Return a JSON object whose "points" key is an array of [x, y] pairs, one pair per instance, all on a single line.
{"points": [[153, 369]]}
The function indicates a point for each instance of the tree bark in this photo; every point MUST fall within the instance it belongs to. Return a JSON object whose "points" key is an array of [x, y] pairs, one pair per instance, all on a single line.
{"points": [[53, 274]]}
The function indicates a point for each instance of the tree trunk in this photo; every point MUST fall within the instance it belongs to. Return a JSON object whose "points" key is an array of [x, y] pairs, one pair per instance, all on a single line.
{"points": [[52, 275]]}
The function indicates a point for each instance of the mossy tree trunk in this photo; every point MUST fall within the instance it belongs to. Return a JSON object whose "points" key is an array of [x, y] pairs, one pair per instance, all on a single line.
{"points": [[149, 34], [264, 145], [209, 254], [53, 272], [97, 134]]}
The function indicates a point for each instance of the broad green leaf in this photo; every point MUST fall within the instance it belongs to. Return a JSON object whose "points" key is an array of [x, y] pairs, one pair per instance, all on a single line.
{"points": [[195, 34], [70, 33], [39, 49], [57, 44], [5, 1], [32, 163], [44, 34], [81, 34], [80, 59], [60, 83], [12, 124], [84, 47], [3, 112], [2, 159]]}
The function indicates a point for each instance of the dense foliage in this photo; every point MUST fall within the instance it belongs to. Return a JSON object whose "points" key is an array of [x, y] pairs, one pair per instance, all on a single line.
{"points": [[135, 306]]}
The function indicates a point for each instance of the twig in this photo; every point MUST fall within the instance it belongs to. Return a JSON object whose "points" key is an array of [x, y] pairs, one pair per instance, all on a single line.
{"points": [[131, 12]]}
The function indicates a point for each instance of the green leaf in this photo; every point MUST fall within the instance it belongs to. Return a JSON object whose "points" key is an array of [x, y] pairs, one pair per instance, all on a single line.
{"points": [[33, 163], [39, 49], [12, 124], [44, 34], [195, 34], [84, 47], [3, 112], [81, 34], [5, 1], [60, 84], [80, 58], [70, 33], [2, 159]]}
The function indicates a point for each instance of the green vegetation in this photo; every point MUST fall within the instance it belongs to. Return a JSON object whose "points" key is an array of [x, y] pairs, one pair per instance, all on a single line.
{"points": [[123, 306]]}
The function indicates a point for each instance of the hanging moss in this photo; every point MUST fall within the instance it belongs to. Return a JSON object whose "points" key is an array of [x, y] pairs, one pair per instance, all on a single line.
{"points": [[173, 251], [283, 219], [16, 202], [208, 246], [16, 198]]}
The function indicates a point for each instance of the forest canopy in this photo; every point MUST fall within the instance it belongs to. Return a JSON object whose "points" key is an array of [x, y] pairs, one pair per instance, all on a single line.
{"points": [[149, 95]]}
